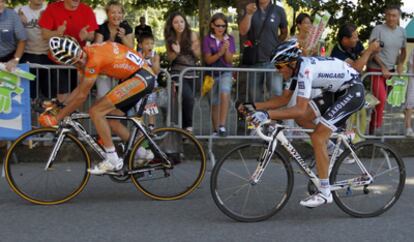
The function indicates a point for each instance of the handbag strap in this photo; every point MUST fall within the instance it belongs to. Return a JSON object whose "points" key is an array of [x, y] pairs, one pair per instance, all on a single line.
{"points": [[265, 20]]}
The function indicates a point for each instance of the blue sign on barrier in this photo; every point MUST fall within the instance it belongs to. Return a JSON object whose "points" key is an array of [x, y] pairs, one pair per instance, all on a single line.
{"points": [[15, 114]]}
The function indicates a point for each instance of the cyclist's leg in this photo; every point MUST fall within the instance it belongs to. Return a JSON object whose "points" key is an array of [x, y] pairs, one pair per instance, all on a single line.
{"points": [[319, 139], [119, 100], [122, 97], [307, 120], [117, 127], [97, 113], [346, 103]]}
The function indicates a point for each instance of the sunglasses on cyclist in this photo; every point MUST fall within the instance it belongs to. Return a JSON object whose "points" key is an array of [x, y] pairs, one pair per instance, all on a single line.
{"points": [[280, 66]]}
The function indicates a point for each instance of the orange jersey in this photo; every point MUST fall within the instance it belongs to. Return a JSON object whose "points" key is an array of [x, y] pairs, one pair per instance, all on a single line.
{"points": [[112, 59]]}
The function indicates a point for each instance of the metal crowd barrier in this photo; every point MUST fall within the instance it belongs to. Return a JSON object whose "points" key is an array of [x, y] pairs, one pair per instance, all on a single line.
{"points": [[44, 74], [393, 126], [244, 80]]}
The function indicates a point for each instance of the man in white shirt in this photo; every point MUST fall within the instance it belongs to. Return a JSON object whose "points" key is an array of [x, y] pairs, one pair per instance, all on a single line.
{"points": [[36, 48]]}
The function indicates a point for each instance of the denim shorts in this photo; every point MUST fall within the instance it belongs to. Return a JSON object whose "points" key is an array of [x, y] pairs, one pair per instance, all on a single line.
{"points": [[222, 84]]}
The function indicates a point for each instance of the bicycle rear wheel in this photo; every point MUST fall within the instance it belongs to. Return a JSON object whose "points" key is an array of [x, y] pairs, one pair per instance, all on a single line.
{"points": [[26, 161], [388, 172], [236, 196], [188, 165]]}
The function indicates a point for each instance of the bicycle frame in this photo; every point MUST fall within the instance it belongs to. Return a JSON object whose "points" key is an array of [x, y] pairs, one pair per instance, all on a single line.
{"points": [[72, 123], [277, 135]]}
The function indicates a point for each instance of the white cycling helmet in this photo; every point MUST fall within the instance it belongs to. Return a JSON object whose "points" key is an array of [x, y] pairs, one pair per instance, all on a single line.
{"points": [[65, 50], [286, 52]]}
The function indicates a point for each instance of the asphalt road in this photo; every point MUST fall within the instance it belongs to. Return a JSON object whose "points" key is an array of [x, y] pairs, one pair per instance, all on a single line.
{"points": [[107, 211]]}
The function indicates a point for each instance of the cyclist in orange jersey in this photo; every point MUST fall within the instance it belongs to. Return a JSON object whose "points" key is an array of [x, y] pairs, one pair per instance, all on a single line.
{"points": [[113, 60]]}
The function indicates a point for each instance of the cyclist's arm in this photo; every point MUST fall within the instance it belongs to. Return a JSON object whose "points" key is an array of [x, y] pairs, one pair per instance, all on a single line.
{"points": [[275, 102], [77, 97], [290, 113]]}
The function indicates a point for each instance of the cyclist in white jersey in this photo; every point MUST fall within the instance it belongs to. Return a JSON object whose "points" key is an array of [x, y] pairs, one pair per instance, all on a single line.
{"points": [[342, 95]]}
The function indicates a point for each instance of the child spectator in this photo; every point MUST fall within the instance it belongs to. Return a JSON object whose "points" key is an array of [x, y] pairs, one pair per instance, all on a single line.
{"points": [[218, 49], [146, 46]]}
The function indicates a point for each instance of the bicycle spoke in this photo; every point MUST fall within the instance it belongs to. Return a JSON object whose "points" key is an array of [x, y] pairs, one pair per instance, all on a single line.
{"points": [[246, 198], [237, 197], [61, 182], [360, 199], [236, 192], [245, 165], [236, 175]]}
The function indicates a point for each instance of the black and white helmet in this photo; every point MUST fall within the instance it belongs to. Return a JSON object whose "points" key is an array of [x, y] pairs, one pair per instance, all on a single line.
{"points": [[65, 50], [286, 52]]}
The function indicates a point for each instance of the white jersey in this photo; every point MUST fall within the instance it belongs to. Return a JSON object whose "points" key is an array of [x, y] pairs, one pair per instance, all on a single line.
{"points": [[325, 73], [35, 44]]}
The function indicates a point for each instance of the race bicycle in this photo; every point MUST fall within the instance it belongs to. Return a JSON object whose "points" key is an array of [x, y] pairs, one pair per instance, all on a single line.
{"points": [[49, 166], [254, 181]]}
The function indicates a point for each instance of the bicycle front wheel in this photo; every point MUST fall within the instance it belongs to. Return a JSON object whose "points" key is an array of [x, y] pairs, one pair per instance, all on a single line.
{"points": [[387, 170], [27, 175], [168, 183], [240, 199]]}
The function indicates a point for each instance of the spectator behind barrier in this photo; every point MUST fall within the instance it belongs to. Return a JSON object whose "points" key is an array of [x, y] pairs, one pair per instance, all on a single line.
{"points": [[350, 49], [183, 50], [146, 48], [115, 29], [141, 29], [261, 23], [218, 50], [72, 18], [303, 23], [390, 58], [12, 35], [36, 50], [409, 101]]}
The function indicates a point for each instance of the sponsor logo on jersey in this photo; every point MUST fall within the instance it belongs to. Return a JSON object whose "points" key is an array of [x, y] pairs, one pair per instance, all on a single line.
{"points": [[301, 85], [124, 66], [331, 75]]}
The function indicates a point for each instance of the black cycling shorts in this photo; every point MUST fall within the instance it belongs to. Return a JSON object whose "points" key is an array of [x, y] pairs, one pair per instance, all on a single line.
{"points": [[334, 108], [125, 95]]}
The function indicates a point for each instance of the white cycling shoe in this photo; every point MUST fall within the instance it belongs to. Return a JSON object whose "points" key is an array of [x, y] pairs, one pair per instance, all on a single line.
{"points": [[143, 156], [316, 200], [106, 166]]}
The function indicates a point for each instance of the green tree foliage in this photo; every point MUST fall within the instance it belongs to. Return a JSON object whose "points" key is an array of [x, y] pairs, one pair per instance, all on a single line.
{"points": [[364, 13]]}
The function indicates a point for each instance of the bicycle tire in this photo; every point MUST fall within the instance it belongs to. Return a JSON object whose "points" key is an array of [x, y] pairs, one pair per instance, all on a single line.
{"points": [[379, 196], [25, 167], [186, 173], [279, 171]]}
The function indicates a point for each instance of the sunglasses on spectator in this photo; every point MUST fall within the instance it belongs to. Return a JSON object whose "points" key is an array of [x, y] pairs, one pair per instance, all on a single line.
{"points": [[220, 26]]}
